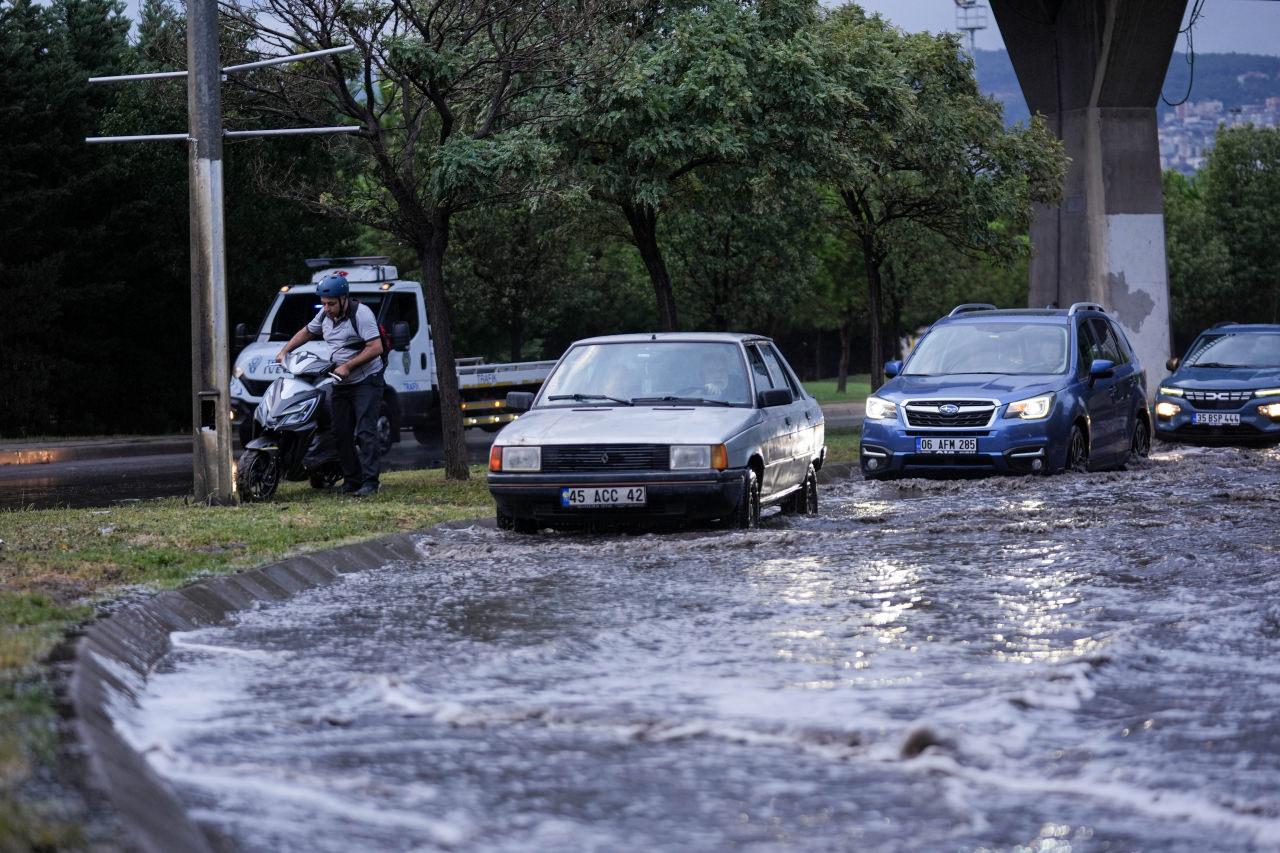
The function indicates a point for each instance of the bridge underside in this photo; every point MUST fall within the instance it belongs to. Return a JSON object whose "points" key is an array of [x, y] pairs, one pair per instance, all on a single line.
{"points": [[1094, 69]]}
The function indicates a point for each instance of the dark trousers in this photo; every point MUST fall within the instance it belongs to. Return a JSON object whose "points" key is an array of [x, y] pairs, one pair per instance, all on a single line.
{"points": [[355, 418]]}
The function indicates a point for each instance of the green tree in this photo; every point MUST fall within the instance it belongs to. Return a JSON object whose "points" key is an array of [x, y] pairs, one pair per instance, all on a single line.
{"points": [[1201, 287], [945, 162], [1241, 180]]}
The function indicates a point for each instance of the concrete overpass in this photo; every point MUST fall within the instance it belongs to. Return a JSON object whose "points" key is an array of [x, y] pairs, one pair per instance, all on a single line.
{"points": [[1094, 68]]}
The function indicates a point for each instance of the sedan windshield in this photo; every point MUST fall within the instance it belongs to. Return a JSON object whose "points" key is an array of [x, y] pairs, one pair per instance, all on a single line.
{"points": [[999, 348], [686, 372], [1236, 350]]}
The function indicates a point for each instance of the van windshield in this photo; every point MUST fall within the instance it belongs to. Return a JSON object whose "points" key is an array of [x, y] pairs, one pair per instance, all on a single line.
{"points": [[297, 309], [1009, 349]]}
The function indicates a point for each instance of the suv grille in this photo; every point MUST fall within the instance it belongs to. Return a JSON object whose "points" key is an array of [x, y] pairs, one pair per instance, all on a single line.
{"points": [[605, 457], [1217, 400], [927, 413]]}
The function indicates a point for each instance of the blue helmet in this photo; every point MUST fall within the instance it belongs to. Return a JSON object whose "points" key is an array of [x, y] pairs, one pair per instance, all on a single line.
{"points": [[332, 286]]}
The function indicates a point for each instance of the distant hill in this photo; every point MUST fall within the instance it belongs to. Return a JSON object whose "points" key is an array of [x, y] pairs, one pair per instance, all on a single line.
{"points": [[1236, 79]]}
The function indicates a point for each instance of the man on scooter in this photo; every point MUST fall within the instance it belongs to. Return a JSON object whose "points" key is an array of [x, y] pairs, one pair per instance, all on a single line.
{"points": [[351, 331]]}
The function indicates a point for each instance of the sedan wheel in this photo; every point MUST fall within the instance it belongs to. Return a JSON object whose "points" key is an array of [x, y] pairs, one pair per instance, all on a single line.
{"points": [[803, 501], [747, 514]]}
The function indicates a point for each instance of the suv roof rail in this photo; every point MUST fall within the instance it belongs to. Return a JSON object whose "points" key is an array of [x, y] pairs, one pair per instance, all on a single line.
{"points": [[1085, 306], [1224, 323], [972, 306], [366, 261]]}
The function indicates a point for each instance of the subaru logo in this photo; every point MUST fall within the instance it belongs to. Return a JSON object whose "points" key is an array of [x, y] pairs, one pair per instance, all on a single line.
{"points": [[950, 410], [253, 364]]}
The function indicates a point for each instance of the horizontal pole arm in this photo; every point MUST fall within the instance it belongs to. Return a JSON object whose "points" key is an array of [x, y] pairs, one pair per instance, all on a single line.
{"points": [[290, 131], [153, 137], [263, 63]]}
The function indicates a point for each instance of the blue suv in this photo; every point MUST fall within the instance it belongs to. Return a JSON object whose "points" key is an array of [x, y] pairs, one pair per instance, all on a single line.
{"points": [[1013, 391], [1227, 388]]}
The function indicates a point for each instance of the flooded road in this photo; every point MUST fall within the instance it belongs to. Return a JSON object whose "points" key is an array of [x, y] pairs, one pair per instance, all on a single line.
{"points": [[1050, 664]]}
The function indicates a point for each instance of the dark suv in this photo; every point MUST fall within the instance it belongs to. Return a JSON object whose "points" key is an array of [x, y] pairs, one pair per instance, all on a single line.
{"points": [[1227, 388], [1014, 391]]}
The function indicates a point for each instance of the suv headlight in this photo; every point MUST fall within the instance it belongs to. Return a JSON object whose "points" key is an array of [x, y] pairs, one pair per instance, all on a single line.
{"points": [[1267, 392], [690, 456], [1170, 391], [514, 458], [1032, 408], [879, 409]]}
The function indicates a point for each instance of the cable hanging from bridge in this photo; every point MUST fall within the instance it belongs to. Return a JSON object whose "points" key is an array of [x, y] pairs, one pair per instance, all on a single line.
{"points": [[1196, 10]]}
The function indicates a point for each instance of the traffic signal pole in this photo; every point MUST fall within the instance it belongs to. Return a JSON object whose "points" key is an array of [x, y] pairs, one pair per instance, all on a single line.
{"points": [[212, 465]]}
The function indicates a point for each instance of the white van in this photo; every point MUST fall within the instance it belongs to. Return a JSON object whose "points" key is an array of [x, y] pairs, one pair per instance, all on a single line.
{"points": [[411, 400]]}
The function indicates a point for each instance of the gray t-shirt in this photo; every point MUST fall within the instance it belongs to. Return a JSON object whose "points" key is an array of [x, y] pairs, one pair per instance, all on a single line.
{"points": [[347, 336]]}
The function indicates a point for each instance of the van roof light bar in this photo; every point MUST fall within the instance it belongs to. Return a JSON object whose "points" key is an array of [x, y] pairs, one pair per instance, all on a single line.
{"points": [[1085, 306], [367, 261], [972, 306]]}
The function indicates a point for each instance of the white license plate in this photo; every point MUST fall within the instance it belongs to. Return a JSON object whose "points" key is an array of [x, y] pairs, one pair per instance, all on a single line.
{"points": [[1216, 419], [946, 445], [603, 496]]}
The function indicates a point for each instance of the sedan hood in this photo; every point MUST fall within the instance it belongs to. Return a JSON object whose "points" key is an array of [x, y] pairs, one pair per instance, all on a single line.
{"points": [[628, 425], [1006, 389], [1225, 378]]}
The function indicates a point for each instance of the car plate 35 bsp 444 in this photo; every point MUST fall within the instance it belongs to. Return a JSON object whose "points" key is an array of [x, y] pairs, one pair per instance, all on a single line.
{"points": [[596, 496]]}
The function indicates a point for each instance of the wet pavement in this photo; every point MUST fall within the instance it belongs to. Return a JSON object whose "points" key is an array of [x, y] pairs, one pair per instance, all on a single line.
{"points": [[1083, 662]]}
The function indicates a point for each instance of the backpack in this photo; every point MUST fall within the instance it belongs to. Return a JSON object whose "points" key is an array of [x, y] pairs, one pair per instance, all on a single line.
{"points": [[385, 338]]}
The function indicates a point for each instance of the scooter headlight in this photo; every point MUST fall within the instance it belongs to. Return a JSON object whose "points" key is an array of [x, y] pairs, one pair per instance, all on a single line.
{"points": [[298, 413]]}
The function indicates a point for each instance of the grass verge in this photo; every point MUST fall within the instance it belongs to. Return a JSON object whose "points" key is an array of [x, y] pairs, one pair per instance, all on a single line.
{"points": [[55, 563], [856, 390], [843, 444]]}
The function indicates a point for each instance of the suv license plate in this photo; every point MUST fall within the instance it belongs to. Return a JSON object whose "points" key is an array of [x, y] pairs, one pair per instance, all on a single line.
{"points": [[1216, 419], [946, 445], [603, 496]]}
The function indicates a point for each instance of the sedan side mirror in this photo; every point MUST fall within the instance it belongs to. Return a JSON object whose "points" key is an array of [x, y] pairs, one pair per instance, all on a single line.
{"points": [[892, 369], [775, 397], [1172, 363], [400, 336], [243, 336], [1101, 368], [519, 401]]}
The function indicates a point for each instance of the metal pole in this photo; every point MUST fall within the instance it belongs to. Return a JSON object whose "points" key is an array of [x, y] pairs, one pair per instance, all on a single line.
{"points": [[210, 358]]}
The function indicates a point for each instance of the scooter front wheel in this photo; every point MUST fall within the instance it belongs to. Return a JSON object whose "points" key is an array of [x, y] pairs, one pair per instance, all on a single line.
{"points": [[257, 475]]}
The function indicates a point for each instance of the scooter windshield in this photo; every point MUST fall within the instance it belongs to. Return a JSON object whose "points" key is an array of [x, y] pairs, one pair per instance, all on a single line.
{"points": [[306, 363]]}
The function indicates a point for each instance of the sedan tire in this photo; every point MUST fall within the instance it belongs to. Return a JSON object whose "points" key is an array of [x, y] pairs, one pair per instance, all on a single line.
{"points": [[747, 514], [524, 526], [803, 501]]}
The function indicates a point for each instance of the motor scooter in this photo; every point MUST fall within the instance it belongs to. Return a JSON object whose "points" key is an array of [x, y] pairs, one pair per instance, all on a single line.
{"points": [[288, 441]]}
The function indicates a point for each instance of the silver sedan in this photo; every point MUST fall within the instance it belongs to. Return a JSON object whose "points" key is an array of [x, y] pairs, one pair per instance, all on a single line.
{"points": [[660, 427]]}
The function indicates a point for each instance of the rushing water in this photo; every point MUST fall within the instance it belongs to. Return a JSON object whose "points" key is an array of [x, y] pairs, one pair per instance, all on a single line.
{"points": [[1049, 664]]}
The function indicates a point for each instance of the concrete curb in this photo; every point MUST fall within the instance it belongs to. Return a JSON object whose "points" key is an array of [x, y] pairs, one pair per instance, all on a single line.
{"points": [[35, 454], [112, 659]]}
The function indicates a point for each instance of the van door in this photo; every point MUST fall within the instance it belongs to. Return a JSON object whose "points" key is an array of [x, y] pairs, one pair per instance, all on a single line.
{"points": [[409, 372]]}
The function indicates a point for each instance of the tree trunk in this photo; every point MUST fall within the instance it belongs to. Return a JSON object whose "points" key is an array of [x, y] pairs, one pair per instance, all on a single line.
{"points": [[516, 331], [644, 231], [431, 259], [874, 311], [842, 373]]}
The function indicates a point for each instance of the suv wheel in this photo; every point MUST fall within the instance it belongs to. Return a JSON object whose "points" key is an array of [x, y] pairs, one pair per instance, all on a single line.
{"points": [[1077, 451], [1140, 447]]}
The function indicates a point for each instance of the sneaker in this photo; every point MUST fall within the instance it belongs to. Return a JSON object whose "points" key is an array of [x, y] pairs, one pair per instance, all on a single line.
{"points": [[366, 490], [348, 488]]}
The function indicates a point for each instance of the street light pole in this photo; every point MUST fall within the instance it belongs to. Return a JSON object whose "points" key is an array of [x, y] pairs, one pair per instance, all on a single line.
{"points": [[210, 358]]}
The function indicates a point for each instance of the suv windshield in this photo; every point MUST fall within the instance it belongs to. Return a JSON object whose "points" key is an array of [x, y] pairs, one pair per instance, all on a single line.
{"points": [[650, 371], [1002, 348], [1249, 349], [297, 309]]}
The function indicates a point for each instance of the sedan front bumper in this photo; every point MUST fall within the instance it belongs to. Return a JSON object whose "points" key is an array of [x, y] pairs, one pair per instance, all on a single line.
{"points": [[671, 496], [1180, 426]]}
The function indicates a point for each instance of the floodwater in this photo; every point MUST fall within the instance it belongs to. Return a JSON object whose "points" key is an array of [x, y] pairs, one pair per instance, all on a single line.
{"points": [[1025, 664]]}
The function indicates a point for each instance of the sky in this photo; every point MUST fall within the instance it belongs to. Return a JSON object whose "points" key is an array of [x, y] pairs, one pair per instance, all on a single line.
{"points": [[1225, 26]]}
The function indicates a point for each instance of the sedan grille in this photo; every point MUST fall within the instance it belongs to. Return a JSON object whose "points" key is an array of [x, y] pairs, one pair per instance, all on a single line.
{"points": [[949, 414], [606, 457], [1217, 400]]}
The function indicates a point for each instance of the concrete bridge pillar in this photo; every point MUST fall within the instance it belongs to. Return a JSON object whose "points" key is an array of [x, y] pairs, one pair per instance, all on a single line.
{"points": [[1094, 68]]}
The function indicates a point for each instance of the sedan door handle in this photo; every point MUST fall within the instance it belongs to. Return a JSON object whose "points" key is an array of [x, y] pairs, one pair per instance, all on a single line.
{"points": [[788, 420]]}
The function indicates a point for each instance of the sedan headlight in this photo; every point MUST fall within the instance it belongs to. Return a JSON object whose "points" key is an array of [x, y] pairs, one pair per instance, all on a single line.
{"points": [[1170, 391], [519, 459], [688, 456], [1032, 408], [1165, 409], [1271, 410], [1267, 392], [879, 409]]}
